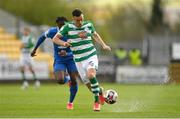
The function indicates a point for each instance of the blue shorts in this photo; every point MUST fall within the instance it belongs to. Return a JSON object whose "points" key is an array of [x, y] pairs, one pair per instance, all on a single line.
{"points": [[62, 66]]}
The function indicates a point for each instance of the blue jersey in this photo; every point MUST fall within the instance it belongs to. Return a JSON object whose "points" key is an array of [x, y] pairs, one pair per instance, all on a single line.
{"points": [[50, 33]]}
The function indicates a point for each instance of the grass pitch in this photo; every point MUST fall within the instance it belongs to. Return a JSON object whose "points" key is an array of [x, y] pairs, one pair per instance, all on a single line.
{"points": [[50, 101]]}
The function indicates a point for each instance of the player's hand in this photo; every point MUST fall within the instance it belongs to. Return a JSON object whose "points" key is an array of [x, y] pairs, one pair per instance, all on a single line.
{"points": [[82, 34], [33, 53], [66, 44], [106, 47]]}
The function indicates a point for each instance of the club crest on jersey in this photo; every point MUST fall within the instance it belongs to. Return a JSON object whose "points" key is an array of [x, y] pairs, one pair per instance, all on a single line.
{"points": [[91, 63]]}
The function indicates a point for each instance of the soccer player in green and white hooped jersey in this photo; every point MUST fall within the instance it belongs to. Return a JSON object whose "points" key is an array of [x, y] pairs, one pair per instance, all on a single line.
{"points": [[27, 42], [80, 34]]}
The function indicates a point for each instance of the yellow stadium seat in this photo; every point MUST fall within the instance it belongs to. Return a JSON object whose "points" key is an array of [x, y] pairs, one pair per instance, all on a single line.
{"points": [[13, 56], [7, 37], [2, 30], [8, 49]]}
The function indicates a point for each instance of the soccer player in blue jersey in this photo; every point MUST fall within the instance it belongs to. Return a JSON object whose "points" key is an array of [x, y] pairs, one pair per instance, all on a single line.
{"points": [[63, 60]]}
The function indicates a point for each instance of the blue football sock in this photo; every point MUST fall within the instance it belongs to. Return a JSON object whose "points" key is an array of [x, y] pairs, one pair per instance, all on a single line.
{"points": [[66, 78], [73, 91]]}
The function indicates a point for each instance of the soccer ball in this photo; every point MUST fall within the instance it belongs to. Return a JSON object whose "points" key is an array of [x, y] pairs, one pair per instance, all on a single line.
{"points": [[110, 96]]}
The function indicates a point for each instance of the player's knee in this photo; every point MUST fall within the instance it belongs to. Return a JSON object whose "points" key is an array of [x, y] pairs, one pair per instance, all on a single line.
{"points": [[60, 81], [73, 82], [91, 75]]}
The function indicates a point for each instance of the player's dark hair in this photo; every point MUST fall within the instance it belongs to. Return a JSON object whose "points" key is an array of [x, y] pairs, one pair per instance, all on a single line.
{"points": [[61, 19], [76, 13]]}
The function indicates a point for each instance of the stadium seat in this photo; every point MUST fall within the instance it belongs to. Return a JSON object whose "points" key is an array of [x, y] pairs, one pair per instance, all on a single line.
{"points": [[13, 56], [2, 31], [7, 37]]}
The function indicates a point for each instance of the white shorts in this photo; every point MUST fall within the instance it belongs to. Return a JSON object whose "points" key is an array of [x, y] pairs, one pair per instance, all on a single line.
{"points": [[26, 59], [83, 66]]}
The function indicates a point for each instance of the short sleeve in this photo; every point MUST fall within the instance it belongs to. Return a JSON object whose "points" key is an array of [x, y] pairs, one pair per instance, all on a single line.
{"points": [[92, 28], [50, 33], [64, 30], [46, 33]]}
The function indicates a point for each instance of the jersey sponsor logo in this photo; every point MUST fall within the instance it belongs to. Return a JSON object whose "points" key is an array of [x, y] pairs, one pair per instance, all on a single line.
{"points": [[62, 47]]}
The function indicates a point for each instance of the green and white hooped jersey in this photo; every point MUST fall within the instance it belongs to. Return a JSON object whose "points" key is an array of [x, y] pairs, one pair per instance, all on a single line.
{"points": [[28, 42], [82, 48]]}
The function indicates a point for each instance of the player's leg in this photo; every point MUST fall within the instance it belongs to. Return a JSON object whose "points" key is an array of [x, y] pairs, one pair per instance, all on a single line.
{"points": [[91, 74], [33, 73], [73, 89], [67, 78], [73, 73], [22, 69], [25, 82], [101, 97], [59, 76], [59, 73], [37, 82], [30, 65], [84, 72], [88, 86], [92, 65], [83, 75], [82, 69]]}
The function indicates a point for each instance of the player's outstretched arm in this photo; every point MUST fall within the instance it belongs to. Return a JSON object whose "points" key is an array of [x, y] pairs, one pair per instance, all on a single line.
{"points": [[58, 40], [99, 40], [39, 42]]}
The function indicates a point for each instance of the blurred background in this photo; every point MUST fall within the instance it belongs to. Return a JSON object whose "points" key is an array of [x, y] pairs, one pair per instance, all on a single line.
{"points": [[144, 36]]}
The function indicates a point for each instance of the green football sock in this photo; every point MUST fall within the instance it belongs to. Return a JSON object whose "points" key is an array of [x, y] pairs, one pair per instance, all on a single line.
{"points": [[95, 88]]}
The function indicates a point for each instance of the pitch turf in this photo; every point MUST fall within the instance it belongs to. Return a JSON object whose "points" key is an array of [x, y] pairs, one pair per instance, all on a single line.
{"points": [[50, 101]]}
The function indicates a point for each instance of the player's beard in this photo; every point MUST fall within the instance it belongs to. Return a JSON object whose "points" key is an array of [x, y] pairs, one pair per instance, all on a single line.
{"points": [[79, 24]]}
